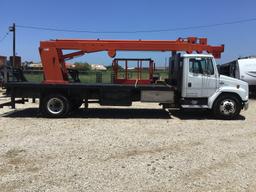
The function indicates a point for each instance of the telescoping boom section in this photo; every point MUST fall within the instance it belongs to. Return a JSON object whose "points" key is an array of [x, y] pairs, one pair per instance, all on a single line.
{"points": [[53, 56]]}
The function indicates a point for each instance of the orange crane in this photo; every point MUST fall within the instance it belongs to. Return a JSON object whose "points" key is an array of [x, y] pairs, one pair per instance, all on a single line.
{"points": [[53, 58]]}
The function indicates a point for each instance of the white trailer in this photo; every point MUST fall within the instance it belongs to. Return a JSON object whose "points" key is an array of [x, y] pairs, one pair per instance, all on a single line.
{"points": [[243, 69]]}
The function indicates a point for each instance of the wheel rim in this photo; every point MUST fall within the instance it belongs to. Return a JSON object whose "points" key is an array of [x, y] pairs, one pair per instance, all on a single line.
{"points": [[55, 106], [228, 107]]}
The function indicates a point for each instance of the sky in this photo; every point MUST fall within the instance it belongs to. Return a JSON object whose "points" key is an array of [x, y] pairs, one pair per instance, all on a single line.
{"points": [[129, 15]]}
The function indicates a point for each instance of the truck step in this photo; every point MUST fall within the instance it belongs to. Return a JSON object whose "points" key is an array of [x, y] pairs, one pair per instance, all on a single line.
{"points": [[195, 106]]}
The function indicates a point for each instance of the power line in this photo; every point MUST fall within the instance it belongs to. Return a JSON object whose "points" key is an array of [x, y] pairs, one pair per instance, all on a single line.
{"points": [[139, 31], [3, 38]]}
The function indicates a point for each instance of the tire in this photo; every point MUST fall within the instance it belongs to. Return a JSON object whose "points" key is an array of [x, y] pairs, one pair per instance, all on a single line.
{"points": [[55, 106], [227, 107]]}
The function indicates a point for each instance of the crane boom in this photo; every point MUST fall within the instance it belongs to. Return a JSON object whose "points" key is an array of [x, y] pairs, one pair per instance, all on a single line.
{"points": [[53, 58]]}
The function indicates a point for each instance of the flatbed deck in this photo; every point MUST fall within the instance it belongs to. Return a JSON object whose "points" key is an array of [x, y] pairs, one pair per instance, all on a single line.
{"points": [[31, 89], [105, 94], [87, 85]]}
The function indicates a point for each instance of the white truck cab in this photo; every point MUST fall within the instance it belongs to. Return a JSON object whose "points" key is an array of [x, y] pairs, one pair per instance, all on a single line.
{"points": [[200, 86]]}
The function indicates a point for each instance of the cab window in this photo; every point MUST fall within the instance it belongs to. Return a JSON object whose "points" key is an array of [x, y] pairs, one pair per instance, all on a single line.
{"points": [[201, 66]]}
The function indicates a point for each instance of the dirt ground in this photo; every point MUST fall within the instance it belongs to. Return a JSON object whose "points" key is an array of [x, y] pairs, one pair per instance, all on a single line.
{"points": [[140, 148]]}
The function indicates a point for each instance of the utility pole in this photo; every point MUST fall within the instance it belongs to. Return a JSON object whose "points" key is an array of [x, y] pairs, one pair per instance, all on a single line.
{"points": [[13, 30]]}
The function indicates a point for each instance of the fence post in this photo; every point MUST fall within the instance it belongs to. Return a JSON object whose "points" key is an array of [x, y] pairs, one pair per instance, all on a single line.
{"points": [[98, 77]]}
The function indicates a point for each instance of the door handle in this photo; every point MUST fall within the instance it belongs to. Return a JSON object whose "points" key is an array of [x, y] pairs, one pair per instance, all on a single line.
{"points": [[189, 84]]}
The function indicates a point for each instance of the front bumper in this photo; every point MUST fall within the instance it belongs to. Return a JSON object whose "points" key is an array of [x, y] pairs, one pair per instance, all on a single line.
{"points": [[246, 105]]}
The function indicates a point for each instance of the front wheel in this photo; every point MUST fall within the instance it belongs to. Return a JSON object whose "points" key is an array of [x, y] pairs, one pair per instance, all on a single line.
{"points": [[55, 106], [227, 107]]}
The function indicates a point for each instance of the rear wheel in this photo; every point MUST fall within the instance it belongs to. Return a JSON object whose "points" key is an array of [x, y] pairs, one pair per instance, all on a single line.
{"points": [[227, 107], [55, 106]]}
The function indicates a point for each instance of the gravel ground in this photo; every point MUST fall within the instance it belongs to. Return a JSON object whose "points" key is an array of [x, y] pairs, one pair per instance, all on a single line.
{"points": [[142, 148]]}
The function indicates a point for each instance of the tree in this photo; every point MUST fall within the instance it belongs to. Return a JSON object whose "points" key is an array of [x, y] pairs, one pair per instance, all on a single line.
{"points": [[84, 66]]}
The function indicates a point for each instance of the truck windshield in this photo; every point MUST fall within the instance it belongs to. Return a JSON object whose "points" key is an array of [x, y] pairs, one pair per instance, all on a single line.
{"points": [[201, 66]]}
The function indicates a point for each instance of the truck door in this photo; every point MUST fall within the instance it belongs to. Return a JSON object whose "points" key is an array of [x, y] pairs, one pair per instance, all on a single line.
{"points": [[201, 81], [194, 80], [210, 77]]}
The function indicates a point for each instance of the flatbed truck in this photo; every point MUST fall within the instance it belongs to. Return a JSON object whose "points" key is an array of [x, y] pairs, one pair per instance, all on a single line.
{"points": [[193, 82]]}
